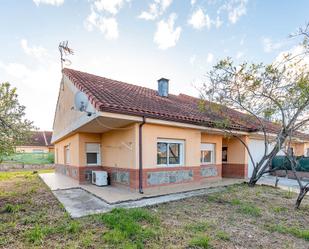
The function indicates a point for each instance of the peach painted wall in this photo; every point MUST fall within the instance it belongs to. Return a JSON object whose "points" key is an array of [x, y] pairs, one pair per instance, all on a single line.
{"points": [[151, 133], [65, 116], [85, 138], [306, 148], [120, 147], [299, 148], [73, 142], [236, 152], [30, 149], [217, 140]]}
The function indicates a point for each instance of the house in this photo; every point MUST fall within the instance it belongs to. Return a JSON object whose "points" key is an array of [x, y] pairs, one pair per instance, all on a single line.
{"points": [[147, 138], [40, 142]]}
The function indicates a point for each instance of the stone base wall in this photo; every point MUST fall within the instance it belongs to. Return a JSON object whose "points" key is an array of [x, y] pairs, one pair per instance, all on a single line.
{"points": [[19, 166], [290, 174], [233, 170], [154, 177]]}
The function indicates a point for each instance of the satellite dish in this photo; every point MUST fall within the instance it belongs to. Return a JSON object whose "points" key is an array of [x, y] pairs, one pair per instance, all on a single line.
{"points": [[81, 101]]}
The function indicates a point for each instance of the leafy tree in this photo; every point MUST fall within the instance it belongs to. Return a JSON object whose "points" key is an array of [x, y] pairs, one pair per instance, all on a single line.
{"points": [[275, 98], [14, 128]]}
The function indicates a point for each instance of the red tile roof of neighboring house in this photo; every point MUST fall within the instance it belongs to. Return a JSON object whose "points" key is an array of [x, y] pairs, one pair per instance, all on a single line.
{"points": [[40, 138], [119, 97]]}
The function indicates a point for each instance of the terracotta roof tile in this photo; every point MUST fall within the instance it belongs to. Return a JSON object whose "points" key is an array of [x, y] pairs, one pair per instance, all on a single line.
{"points": [[119, 97], [40, 138]]}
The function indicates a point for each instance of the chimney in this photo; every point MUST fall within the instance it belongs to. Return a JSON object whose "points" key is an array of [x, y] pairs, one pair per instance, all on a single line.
{"points": [[163, 87]]}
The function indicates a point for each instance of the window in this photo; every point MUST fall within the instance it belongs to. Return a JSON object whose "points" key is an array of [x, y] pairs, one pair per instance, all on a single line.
{"points": [[307, 152], [67, 157], [207, 153], [93, 154], [170, 152], [224, 154]]}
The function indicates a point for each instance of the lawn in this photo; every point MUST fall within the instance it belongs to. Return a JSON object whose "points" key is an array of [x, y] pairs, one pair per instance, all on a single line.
{"points": [[30, 158], [239, 217]]}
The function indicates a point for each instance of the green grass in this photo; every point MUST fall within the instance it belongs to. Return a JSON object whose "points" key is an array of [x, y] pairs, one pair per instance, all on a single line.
{"points": [[246, 208], [288, 194], [279, 209], [31, 217], [288, 229], [200, 242], [223, 235], [30, 158], [198, 227], [4, 176], [10, 208], [129, 227]]}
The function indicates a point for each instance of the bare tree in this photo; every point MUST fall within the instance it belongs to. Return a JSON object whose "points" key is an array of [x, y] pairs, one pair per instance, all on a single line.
{"points": [[295, 166], [274, 99]]}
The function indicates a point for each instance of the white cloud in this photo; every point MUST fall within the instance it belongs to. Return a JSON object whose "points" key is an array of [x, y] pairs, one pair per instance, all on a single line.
{"points": [[107, 25], [239, 54], [210, 58], [49, 2], [218, 22], [192, 59], [37, 84], [193, 2], [155, 9], [37, 52], [298, 55], [269, 46], [235, 9], [111, 6], [166, 35], [198, 20]]}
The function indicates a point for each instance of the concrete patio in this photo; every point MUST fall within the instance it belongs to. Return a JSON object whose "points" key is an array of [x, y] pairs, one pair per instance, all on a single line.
{"points": [[85, 199], [118, 194]]}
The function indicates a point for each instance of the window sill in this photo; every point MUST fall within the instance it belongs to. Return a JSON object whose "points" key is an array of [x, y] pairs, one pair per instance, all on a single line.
{"points": [[169, 165]]}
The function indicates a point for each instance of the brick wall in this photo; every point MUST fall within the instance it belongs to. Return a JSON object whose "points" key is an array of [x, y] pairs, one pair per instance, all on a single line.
{"points": [[162, 176], [234, 170]]}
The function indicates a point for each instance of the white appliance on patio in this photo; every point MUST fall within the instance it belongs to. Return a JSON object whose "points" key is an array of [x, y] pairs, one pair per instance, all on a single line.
{"points": [[99, 178]]}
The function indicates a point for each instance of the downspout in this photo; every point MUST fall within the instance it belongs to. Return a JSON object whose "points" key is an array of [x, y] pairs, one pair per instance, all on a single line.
{"points": [[140, 142]]}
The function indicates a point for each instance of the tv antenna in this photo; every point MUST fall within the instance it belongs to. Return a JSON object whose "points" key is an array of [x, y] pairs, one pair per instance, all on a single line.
{"points": [[65, 51]]}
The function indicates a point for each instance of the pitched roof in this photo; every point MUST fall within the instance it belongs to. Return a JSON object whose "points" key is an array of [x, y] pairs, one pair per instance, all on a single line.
{"points": [[119, 97], [40, 138]]}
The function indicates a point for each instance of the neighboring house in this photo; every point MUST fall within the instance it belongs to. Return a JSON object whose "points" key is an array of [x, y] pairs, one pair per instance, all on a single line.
{"points": [[40, 142], [146, 138]]}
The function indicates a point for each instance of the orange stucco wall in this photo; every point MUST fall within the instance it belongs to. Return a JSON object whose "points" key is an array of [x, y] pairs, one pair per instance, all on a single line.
{"points": [[120, 147], [299, 148], [191, 138], [65, 115], [73, 142], [214, 139], [236, 152], [31, 149]]}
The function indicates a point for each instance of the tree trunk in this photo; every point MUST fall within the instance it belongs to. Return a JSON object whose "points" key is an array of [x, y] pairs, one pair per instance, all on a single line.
{"points": [[252, 182], [302, 194]]}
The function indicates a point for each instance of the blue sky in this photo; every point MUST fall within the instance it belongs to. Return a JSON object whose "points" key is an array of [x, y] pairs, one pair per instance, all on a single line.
{"points": [[136, 41]]}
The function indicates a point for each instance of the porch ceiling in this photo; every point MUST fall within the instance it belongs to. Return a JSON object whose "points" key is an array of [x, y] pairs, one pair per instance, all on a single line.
{"points": [[103, 124]]}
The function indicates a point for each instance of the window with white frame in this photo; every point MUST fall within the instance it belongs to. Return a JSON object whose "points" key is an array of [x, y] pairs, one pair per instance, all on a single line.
{"points": [[93, 154], [207, 153], [170, 152], [67, 156]]}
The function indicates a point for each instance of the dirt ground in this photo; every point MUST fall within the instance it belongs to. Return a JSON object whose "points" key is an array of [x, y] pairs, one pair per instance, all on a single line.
{"points": [[239, 217]]}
